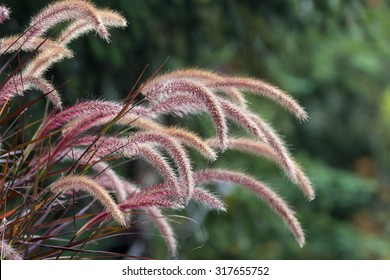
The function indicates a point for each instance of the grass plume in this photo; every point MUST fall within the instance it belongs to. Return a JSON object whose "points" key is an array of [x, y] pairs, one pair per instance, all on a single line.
{"points": [[52, 166], [77, 183]]}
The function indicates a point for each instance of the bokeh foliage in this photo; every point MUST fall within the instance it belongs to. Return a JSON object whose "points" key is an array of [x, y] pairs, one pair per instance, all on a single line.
{"points": [[333, 56]]}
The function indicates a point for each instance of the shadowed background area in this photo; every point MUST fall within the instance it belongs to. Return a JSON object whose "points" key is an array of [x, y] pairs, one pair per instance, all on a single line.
{"points": [[332, 56]]}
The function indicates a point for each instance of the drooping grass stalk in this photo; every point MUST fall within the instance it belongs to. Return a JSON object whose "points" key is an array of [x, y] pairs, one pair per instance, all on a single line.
{"points": [[61, 183]]}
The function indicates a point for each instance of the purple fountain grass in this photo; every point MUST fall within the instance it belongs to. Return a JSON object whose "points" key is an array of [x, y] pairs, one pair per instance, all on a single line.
{"points": [[265, 150], [261, 190], [159, 220], [88, 110], [153, 196], [253, 123], [78, 121], [184, 136], [205, 76], [126, 146], [4, 13], [20, 83], [76, 111], [191, 139], [108, 178], [15, 43], [159, 87], [160, 163], [75, 128], [105, 176], [79, 147], [51, 52], [177, 153], [208, 199], [63, 11], [277, 143], [156, 197], [217, 82], [44, 60], [80, 27], [164, 228], [182, 105], [264, 89], [135, 146], [95, 119], [199, 195], [75, 182], [240, 117]]}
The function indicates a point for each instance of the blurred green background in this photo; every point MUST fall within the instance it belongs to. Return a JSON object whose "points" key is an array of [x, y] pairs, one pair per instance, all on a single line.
{"points": [[333, 56]]}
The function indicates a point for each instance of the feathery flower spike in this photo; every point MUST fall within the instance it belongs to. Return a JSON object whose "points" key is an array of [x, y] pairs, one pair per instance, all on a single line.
{"points": [[190, 139], [165, 229], [4, 13], [203, 196], [105, 177], [15, 43], [19, 84], [80, 27], [277, 143], [44, 60], [265, 150], [106, 115], [204, 77], [162, 166], [178, 155], [160, 88], [63, 11], [152, 196], [86, 184], [262, 88], [261, 190], [129, 147], [182, 105]]}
